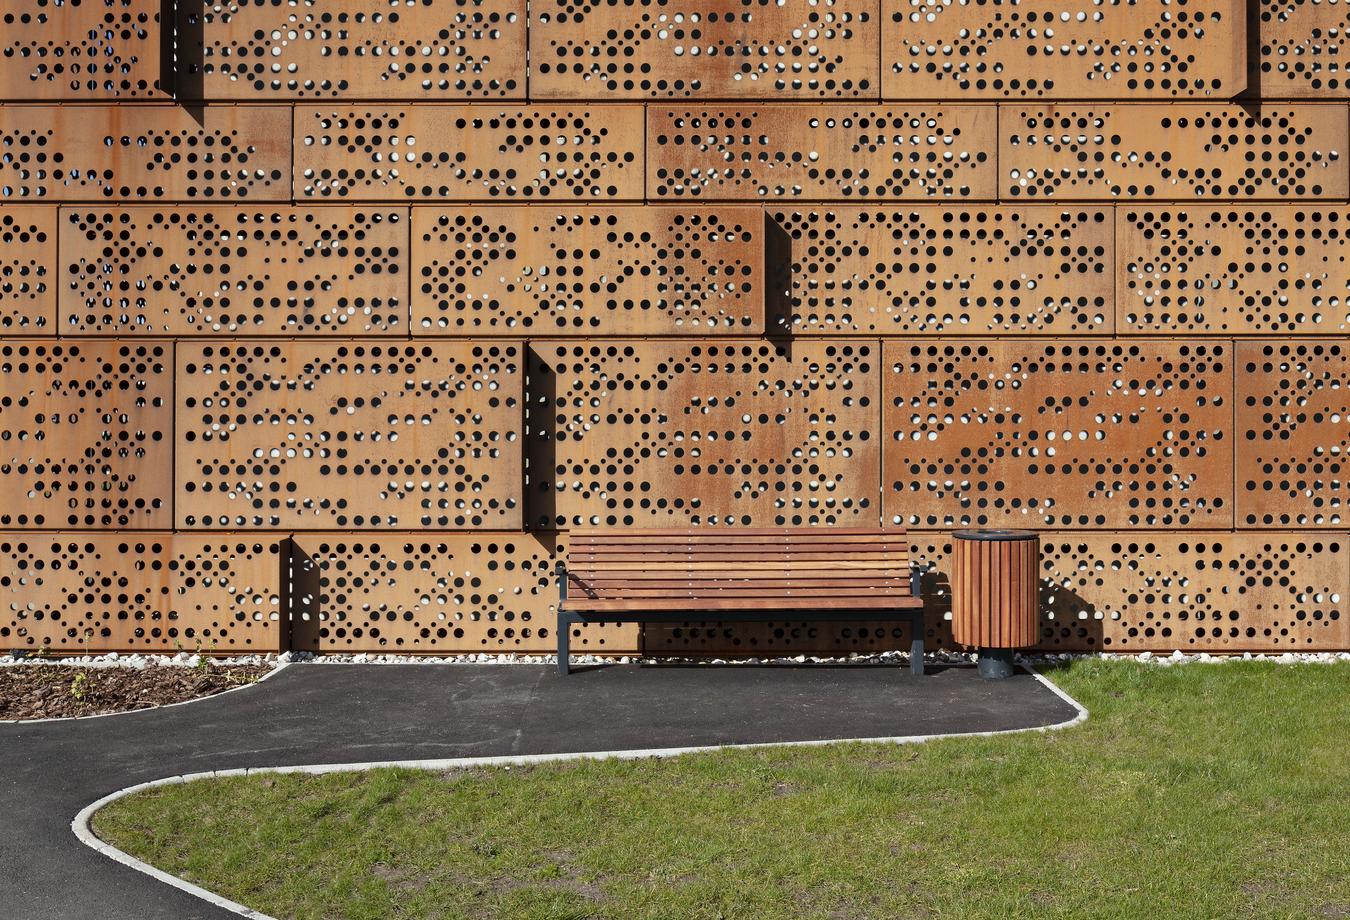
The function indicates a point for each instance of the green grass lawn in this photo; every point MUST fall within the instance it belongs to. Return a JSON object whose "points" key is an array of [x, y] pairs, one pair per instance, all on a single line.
{"points": [[1197, 791]]}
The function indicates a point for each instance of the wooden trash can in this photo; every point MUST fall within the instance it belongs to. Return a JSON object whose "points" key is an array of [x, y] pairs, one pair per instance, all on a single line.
{"points": [[995, 594]]}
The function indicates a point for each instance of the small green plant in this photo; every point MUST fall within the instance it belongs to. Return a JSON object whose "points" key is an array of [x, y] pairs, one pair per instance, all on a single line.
{"points": [[80, 686], [202, 662], [235, 677]]}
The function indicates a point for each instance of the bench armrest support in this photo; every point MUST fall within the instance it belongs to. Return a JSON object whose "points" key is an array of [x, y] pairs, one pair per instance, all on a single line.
{"points": [[916, 573], [916, 624]]}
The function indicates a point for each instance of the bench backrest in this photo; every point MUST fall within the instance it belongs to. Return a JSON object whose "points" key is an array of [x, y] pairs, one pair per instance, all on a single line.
{"points": [[784, 569]]}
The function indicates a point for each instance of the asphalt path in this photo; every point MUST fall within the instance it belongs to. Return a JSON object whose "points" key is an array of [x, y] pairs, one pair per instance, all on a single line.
{"points": [[329, 714]]}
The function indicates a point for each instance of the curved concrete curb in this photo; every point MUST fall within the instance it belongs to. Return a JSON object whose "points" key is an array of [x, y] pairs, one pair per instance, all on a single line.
{"points": [[82, 829], [276, 669]]}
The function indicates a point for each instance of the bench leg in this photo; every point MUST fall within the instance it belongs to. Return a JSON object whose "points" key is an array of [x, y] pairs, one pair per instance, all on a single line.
{"points": [[564, 637], [916, 645]]}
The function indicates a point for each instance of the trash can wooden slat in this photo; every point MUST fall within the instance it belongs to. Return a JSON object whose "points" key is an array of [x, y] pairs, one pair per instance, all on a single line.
{"points": [[995, 591]]}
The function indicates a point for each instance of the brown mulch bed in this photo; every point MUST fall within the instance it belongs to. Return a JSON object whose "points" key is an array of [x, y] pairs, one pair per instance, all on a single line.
{"points": [[49, 691]]}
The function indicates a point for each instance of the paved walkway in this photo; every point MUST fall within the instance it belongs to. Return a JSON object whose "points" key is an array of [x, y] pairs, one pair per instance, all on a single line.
{"points": [[323, 714]]}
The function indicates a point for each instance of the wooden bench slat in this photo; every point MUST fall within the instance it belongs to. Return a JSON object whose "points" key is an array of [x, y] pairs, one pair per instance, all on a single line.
{"points": [[715, 543], [713, 605], [900, 559], [617, 586], [695, 600], [861, 568], [879, 577], [796, 534], [713, 549]]}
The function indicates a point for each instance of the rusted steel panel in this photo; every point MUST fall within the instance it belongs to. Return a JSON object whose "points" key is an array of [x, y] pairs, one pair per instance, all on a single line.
{"points": [[93, 153], [91, 50], [712, 49], [775, 638], [1173, 152], [950, 269], [1303, 50], [148, 592], [667, 434], [1059, 434], [469, 153], [87, 434], [1049, 49], [821, 152], [434, 593], [345, 49], [1293, 434], [27, 270], [1197, 592], [312, 435], [228, 271], [588, 270], [1236, 270]]}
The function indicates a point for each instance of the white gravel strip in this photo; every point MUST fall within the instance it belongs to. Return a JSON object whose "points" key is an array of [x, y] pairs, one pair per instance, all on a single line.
{"points": [[140, 661], [184, 660], [1179, 657]]}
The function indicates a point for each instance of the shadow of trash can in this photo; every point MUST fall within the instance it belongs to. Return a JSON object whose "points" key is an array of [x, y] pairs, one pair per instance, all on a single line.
{"points": [[995, 595]]}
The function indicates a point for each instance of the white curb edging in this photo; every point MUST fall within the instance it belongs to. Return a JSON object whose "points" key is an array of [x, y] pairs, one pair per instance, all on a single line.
{"points": [[276, 669], [82, 829]]}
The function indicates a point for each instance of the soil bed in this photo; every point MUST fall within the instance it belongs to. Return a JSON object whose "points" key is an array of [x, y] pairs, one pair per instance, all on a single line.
{"points": [[53, 691]]}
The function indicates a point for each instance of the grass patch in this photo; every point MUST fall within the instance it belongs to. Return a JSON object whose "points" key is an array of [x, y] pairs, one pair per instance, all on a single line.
{"points": [[1196, 791]]}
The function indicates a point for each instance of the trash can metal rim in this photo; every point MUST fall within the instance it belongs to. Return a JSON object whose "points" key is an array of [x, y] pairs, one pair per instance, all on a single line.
{"points": [[994, 534]]}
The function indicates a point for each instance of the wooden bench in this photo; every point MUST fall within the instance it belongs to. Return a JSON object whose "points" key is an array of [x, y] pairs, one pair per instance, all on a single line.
{"points": [[674, 576]]}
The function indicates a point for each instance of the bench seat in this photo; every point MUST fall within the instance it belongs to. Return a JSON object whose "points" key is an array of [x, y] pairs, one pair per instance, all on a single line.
{"points": [[664, 576]]}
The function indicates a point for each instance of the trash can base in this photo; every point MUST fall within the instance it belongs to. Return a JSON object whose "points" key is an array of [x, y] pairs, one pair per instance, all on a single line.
{"points": [[995, 663]]}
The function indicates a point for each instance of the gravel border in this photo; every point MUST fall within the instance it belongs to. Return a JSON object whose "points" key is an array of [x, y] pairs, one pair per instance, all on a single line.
{"points": [[184, 660], [139, 661]]}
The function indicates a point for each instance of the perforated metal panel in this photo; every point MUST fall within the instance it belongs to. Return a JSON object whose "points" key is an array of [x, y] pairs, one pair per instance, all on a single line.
{"points": [[469, 153], [80, 49], [1235, 270], [1173, 152], [588, 270], [422, 285], [441, 593], [86, 434], [160, 592], [822, 49], [391, 49], [92, 153], [821, 152], [943, 269], [1195, 592], [1293, 426], [309, 435], [774, 639], [1050, 49], [27, 270], [748, 433], [1030, 434], [231, 271], [1303, 50]]}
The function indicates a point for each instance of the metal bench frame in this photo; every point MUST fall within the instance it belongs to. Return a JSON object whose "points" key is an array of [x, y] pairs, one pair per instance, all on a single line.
{"points": [[569, 618]]}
